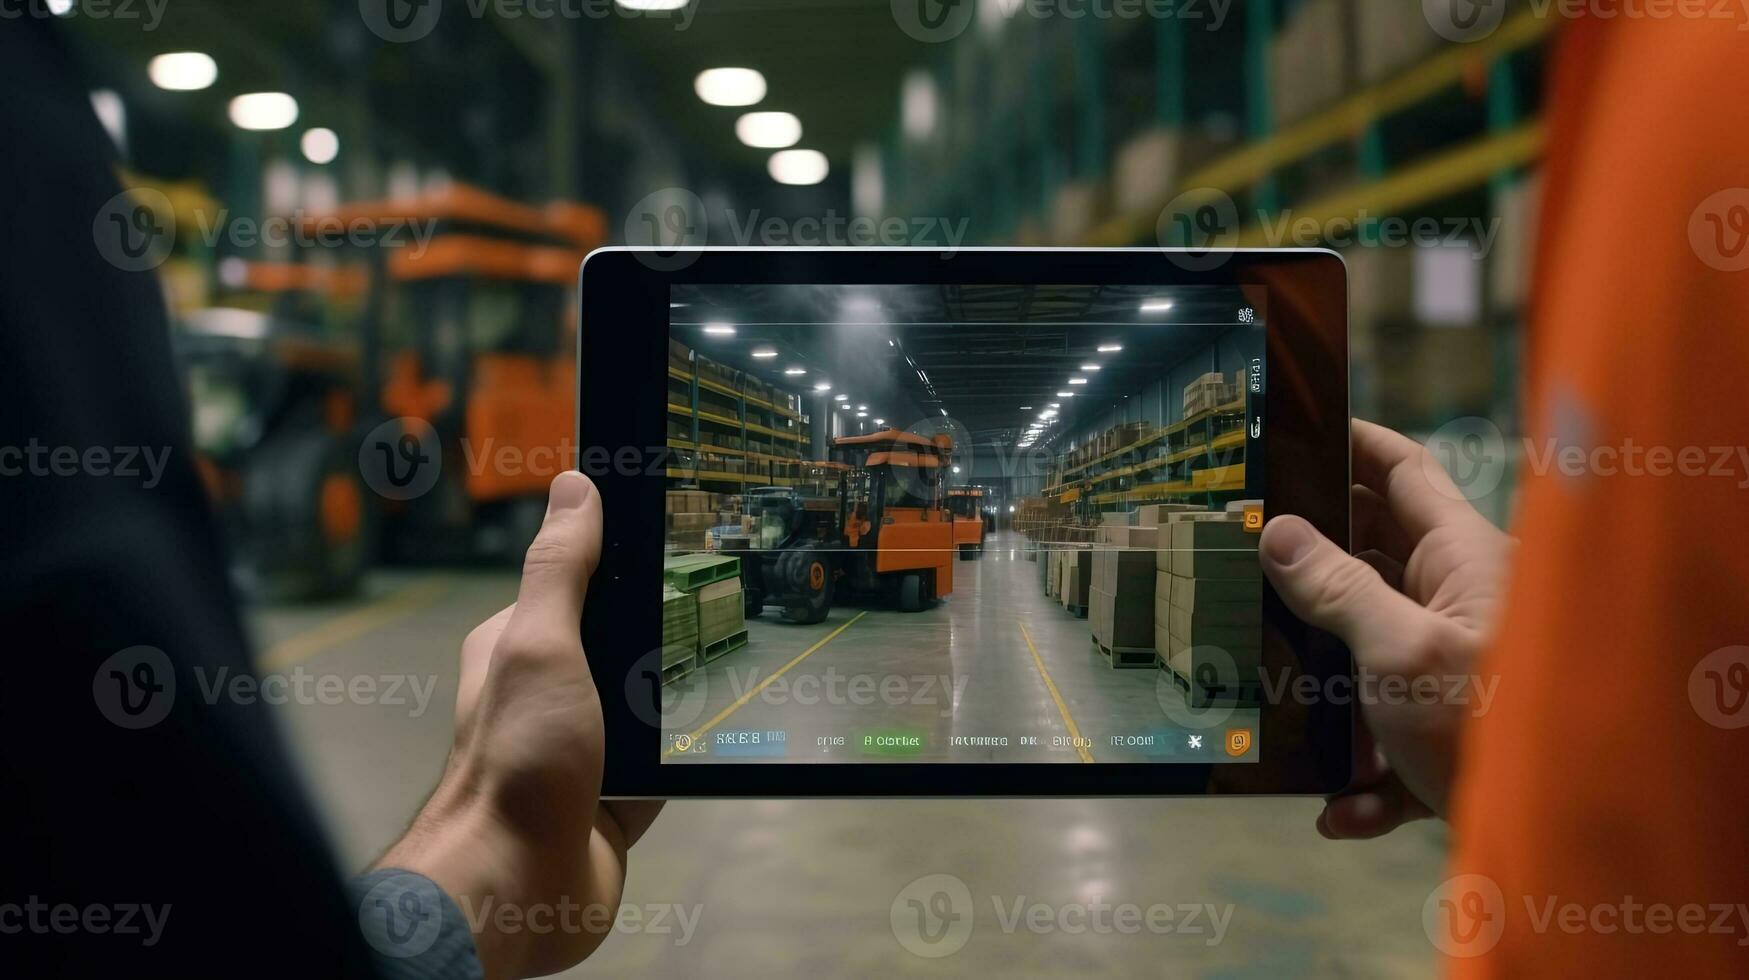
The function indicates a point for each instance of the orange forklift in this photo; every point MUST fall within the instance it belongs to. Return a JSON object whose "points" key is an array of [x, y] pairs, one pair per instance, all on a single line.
{"points": [[969, 528], [472, 332], [887, 534]]}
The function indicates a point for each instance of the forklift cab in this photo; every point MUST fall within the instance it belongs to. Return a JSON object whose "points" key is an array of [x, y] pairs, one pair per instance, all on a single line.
{"points": [[966, 505], [891, 510]]}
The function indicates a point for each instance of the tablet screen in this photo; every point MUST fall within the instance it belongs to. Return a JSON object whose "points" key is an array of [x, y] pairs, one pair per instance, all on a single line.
{"points": [[963, 523]]}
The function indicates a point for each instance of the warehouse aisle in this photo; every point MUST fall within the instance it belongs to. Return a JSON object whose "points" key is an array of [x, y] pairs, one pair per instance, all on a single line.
{"points": [[749, 878], [997, 673]]}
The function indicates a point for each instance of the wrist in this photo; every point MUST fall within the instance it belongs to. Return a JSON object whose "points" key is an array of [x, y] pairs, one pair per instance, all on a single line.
{"points": [[459, 843]]}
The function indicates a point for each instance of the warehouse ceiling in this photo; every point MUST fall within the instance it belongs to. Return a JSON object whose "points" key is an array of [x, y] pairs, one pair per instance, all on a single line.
{"points": [[836, 64], [991, 356]]}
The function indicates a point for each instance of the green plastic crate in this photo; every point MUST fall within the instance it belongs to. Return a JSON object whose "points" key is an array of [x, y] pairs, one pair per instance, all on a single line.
{"points": [[691, 572]]}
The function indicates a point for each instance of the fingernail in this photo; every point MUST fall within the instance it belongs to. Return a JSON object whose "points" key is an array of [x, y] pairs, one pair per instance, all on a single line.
{"points": [[1287, 540], [569, 491]]}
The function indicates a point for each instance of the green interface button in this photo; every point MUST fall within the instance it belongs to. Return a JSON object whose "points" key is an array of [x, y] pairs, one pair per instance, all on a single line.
{"points": [[893, 741]]}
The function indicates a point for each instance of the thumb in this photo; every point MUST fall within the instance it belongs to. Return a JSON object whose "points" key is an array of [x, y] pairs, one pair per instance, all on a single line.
{"points": [[1336, 592], [562, 558]]}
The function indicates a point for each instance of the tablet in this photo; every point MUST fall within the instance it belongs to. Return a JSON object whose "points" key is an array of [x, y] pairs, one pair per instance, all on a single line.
{"points": [[983, 522]]}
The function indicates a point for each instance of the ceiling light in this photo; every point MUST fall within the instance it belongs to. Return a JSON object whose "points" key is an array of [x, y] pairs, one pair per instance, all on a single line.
{"points": [[956, 469], [264, 111], [862, 408], [183, 71], [795, 372], [1089, 367], [823, 386], [1156, 305], [1065, 394], [862, 415], [320, 145], [1026, 408], [1056, 405], [719, 330], [880, 421], [768, 130], [841, 397], [652, 4], [799, 168], [765, 353], [729, 86], [1077, 381], [1110, 348], [944, 413]]}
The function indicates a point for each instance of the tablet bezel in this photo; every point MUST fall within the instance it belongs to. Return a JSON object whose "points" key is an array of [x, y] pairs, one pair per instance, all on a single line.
{"points": [[1306, 472]]}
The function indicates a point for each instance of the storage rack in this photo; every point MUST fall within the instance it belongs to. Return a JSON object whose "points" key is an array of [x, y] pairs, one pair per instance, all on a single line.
{"points": [[1200, 459], [713, 401]]}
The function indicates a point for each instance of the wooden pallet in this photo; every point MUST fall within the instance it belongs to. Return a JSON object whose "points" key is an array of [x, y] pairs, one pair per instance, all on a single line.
{"points": [[716, 648], [672, 672], [1241, 696], [1122, 658]]}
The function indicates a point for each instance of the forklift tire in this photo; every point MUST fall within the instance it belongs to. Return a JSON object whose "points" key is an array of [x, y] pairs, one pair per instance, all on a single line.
{"points": [[911, 597], [807, 583]]}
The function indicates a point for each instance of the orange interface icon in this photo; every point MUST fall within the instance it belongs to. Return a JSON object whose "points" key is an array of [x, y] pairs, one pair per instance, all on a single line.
{"points": [[1238, 741], [1254, 518]]}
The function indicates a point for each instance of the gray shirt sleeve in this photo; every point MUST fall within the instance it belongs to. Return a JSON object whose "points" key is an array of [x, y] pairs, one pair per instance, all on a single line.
{"points": [[415, 930]]}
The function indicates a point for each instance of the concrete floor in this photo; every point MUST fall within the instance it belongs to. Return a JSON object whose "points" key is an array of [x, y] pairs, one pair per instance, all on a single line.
{"points": [[858, 888], [998, 672]]}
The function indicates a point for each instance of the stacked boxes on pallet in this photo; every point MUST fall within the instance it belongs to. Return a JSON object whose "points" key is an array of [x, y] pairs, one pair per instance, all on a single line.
{"points": [[691, 513], [1120, 593], [679, 633], [1208, 607], [1211, 391], [713, 583], [1076, 564]]}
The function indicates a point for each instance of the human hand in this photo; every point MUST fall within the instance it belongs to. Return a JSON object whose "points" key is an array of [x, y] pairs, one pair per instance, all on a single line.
{"points": [[1418, 600], [517, 819]]}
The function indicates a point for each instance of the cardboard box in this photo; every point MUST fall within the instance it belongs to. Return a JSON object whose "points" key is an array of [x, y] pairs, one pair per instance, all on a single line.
{"points": [[1121, 600], [1117, 518], [1214, 549], [1310, 64], [1154, 515], [691, 522], [1202, 593], [1389, 36], [1163, 552], [1129, 537]]}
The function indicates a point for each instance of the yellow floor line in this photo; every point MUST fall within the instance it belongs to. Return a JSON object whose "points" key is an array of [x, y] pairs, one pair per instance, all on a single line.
{"points": [[750, 695], [1062, 709], [303, 646]]}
